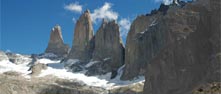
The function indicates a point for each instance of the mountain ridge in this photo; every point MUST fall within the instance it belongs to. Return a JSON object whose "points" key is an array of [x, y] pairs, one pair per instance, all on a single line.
{"points": [[176, 48]]}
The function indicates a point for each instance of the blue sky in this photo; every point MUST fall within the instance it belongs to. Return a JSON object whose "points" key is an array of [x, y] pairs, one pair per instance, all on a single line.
{"points": [[26, 24]]}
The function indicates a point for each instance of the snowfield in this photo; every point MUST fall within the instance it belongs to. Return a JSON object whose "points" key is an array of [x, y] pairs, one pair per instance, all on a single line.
{"points": [[57, 69], [9, 66]]}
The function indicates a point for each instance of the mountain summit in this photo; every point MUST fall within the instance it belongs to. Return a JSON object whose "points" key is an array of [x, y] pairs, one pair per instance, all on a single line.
{"points": [[83, 36], [56, 44]]}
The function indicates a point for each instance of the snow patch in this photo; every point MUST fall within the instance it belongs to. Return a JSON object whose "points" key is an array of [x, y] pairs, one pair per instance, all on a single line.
{"points": [[142, 32], [9, 66], [105, 59], [154, 22], [62, 73], [119, 83], [47, 61], [91, 63], [48, 55], [71, 62]]}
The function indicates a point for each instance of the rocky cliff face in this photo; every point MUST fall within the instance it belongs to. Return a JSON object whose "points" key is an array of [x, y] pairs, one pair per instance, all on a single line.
{"points": [[109, 49], [134, 50], [189, 50], [56, 44], [83, 38]]}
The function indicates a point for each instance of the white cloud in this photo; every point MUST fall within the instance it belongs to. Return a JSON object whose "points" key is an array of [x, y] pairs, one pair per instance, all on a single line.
{"points": [[124, 26], [74, 7], [104, 12], [166, 2]]}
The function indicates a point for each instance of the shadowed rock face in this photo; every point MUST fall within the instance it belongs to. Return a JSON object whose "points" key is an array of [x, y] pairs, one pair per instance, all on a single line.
{"points": [[135, 50], [83, 38], [108, 46], [56, 44], [189, 54]]}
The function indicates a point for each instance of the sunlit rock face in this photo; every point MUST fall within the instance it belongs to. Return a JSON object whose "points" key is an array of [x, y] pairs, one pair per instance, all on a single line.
{"points": [[189, 55], [56, 44], [109, 50], [83, 38]]}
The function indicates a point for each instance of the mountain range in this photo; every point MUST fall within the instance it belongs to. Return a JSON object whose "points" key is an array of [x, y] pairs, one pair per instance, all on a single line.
{"points": [[175, 49]]}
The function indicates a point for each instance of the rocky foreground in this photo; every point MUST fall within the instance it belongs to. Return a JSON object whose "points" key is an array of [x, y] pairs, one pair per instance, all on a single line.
{"points": [[24, 74], [13, 83]]}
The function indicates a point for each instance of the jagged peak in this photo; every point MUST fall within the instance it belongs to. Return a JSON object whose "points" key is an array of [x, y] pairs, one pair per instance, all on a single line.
{"points": [[104, 21], [57, 27], [87, 11], [113, 21], [57, 30], [85, 16]]}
